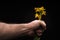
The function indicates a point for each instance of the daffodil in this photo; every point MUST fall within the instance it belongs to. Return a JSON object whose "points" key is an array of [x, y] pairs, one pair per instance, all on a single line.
{"points": [[39, 12]]}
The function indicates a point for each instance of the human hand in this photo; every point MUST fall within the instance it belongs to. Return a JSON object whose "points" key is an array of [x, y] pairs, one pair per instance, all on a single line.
{"points": [[35, 25]]}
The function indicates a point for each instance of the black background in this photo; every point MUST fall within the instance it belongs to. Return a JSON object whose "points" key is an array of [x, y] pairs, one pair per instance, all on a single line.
{"points": [[23, 11]]}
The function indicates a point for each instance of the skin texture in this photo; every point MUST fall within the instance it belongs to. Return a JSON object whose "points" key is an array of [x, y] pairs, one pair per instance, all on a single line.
{"points": [[13, 30]]}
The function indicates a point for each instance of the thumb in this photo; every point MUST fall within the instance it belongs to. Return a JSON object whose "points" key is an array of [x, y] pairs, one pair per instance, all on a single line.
{"points": [[36, 23]]}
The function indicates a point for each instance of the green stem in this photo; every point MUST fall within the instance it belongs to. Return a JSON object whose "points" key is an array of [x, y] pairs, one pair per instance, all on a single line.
{"points": [[37, 38]]}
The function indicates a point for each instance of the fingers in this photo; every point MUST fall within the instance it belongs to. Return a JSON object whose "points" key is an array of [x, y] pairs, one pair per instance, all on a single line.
{"points": [[39, 32], [32, 33]]}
